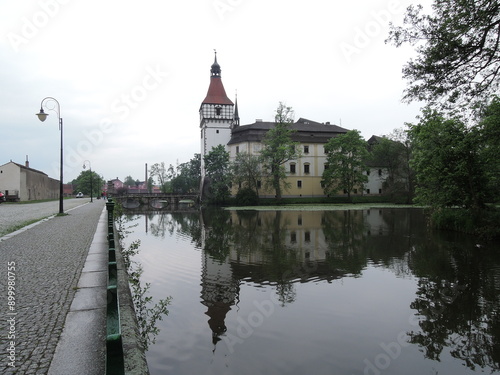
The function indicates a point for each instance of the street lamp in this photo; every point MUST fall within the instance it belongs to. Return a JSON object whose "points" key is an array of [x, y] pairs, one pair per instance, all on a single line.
{"points": [[90, 168], [42, 116]]}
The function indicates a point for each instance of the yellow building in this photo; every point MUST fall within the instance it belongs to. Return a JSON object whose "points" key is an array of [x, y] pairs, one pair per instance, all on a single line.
{"points": [[304, 174]]}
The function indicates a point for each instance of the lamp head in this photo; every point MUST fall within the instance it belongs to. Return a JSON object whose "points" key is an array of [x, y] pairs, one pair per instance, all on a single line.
{"points": [[42, 115]]}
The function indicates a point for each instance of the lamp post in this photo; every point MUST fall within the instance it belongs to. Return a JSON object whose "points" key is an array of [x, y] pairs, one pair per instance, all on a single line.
{"points": [[90, 169], [42, 116]]}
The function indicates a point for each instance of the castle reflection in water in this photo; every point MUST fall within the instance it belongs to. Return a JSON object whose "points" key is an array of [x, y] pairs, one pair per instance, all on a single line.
{"points": [[453, 280], [281, 248]]}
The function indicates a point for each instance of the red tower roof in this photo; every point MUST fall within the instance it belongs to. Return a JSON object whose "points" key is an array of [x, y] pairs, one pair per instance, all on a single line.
{"points": [[216, 93]]}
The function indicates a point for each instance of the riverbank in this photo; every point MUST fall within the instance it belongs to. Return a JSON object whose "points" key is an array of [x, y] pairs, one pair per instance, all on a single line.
{"points": [[320, 207]]}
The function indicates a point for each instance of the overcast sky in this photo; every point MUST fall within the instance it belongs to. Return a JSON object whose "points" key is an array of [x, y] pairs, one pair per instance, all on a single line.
{"points": [[130, 76]]}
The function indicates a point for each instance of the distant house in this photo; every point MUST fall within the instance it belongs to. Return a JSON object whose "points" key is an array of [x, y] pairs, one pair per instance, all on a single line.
{"points": [[113, 186], [68, 190], [27, 183], [377, 173], [117, 184]]}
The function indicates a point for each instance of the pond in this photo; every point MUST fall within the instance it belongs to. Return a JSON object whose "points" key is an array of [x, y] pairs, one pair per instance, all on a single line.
{"points": [[371, 291]]}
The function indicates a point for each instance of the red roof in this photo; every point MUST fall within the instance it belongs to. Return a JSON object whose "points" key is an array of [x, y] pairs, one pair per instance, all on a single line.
{"points": [[216, 93]]}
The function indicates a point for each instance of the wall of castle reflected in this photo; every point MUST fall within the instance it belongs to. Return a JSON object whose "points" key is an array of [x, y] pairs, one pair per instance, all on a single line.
{"points": [[457, 303]]}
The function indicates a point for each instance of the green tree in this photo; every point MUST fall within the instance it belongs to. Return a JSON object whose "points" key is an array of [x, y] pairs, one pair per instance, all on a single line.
{"points": [[447, 162], [159, 171], [346, 157], [83, 183], [219, 172], [278, 148], [187, 178], [150, 184], [489, 127], [247, 171], [129, 181], [458, 59]]}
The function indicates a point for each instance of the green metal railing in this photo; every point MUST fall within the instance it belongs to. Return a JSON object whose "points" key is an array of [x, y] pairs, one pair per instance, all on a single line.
{"points": [[114, 348]]}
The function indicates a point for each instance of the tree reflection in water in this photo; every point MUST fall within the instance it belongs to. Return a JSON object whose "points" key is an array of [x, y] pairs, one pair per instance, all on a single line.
{"points": [[146, 312], [457, 303]]}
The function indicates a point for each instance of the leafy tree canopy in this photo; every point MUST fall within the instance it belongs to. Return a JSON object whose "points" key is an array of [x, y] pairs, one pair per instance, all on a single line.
{"points": [[278, 148], [187, 178], [447, 161], [346, 155], [88, 179], [218, 170], [458, 58]]}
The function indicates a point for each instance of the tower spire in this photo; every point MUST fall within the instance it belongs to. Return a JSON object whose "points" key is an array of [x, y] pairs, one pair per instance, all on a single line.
{"points": [[216, 93], [215, 70], [236, 115]]}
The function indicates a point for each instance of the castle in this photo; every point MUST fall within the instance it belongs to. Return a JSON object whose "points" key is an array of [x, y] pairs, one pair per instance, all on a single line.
{"points": [[220, 125]]}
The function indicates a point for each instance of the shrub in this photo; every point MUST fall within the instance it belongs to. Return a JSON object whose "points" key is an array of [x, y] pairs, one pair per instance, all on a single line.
{"points": [[247, 197]]}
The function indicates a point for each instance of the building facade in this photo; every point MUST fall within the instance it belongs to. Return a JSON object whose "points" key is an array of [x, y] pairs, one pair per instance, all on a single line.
{"points": [[27, 183], [220, 125], [304, 174]]}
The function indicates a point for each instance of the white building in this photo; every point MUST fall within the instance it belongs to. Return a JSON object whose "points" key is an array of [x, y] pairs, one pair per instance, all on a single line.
{"points": [[27, 183]]}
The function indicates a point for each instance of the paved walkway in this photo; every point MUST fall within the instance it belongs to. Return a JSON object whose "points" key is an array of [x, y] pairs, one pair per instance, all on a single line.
{"points": [[44, 265], [12, 215]]}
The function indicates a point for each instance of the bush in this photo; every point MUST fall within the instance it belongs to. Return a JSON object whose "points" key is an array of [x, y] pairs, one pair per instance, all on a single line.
{"points": [[483, 223], [247, 197]]}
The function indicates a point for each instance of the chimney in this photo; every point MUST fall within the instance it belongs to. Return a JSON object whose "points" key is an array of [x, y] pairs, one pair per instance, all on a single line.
{"points": [[27, 163]]}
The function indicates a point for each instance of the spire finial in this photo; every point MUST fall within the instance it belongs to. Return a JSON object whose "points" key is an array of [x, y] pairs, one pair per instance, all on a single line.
{"points": [[215, 66]]}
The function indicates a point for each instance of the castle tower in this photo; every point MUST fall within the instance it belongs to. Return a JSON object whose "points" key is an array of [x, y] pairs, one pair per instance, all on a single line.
{"points": [[216, 115]]}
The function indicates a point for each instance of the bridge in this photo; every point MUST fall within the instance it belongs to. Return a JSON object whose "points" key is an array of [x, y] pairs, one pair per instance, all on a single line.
{"points": [[156, 200]]}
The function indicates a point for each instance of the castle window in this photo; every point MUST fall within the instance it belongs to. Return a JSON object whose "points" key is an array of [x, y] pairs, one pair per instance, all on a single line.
{"points": [[306, 168], [292, 168], [218, 110], [306, 149], [299, 184], [307, 237], [237, 149], [217, 131]]}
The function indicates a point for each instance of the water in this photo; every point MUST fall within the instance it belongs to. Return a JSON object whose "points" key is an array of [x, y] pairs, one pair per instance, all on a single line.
{"points": [[317, 292]]}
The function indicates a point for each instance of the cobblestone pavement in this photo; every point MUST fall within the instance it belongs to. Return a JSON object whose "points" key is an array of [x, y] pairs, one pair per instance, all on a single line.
{"points": [[45, 264], [12, 215]]}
